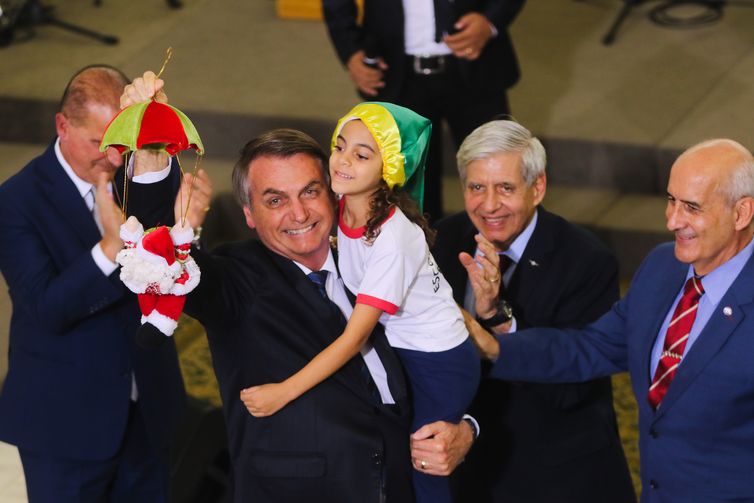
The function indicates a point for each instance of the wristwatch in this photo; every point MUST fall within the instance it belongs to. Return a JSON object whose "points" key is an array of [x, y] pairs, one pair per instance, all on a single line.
{"points": [[504, 314]]}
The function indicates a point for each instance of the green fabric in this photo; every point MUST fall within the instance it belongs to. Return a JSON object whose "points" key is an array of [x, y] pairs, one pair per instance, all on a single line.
{"points": [[123, 130]]}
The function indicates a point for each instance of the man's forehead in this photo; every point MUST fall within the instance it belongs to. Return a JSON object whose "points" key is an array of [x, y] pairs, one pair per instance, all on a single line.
{"points": [[283, 174], [500, 165]]}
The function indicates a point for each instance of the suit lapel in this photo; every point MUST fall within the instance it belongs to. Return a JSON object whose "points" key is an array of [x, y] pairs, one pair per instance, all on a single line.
{"points": [[713, 336], [349, 375], [534, 263], [454, 272], [57, 188], [309, 297]]}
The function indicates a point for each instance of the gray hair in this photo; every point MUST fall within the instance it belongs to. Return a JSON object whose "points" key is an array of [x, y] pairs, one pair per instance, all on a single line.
{"points": [[740, 183], [502, 136]]}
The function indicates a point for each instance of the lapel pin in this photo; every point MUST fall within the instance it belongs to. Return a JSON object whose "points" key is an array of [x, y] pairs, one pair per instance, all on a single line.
{"points": [[727, 310], [533, 263]]}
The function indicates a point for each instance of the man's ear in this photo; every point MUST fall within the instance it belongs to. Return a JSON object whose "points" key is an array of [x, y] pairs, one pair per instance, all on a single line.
{"points": [[249, 217], [744, 213], [540, 187], [61, 125]]}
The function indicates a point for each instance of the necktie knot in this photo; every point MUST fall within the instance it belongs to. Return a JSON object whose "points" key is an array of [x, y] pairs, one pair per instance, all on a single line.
{"points": [[319, 278], [693, 288]]}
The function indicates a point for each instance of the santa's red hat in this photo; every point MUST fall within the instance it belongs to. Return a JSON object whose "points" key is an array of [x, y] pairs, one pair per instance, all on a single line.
{"points": [[156, 247]]}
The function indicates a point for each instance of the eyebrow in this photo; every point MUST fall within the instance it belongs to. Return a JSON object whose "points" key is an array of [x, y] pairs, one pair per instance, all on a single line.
{"points": [[312, 184], [340, 137], [274, 192], [693, 204]]}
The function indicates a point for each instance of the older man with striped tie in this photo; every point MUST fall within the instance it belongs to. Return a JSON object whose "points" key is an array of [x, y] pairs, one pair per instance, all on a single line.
{"points": [[685, 332]]}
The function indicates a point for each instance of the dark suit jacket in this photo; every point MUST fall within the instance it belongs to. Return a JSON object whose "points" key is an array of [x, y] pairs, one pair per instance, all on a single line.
{"points": [[72, 349], [544, 442], [496, 68], [265, 320], [699, 445]]}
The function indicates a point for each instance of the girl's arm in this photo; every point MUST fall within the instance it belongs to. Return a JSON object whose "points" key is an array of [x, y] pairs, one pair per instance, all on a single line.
{"points": [[267, 399]]}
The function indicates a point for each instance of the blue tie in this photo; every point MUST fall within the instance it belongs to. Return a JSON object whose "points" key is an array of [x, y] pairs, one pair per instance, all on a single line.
{"points": [[319, 278]]}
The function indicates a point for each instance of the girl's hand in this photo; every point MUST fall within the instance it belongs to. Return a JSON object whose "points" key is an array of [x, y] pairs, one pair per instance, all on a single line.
{"points": [[486, 343], [265, 400]]}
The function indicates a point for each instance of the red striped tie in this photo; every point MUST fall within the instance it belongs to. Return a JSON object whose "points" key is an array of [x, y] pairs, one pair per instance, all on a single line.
{"points": [[675, 340]]}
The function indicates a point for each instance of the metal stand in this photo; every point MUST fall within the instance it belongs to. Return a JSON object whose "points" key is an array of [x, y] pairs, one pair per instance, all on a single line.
{"points": [[661, 15], [33, 14], [628, 5]]}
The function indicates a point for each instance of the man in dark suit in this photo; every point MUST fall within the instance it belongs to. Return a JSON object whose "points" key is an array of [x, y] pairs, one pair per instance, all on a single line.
{"points": [[540, 442], [452, 62], [90, 412], [270, 306], [683, 331]]}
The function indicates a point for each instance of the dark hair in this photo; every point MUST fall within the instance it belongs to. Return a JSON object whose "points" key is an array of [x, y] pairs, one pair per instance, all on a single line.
{"points": [[102, 84], [379, 208], [277, 143]]}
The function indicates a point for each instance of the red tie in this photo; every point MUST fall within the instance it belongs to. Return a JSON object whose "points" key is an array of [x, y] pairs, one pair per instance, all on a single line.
{"points": [[675, 340]]}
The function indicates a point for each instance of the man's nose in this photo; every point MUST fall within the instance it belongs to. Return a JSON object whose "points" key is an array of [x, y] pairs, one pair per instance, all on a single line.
{"points": [[299, 211], [490, 202], [673, 218]]}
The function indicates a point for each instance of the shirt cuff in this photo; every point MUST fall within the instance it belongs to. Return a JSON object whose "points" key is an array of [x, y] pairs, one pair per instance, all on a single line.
{"points": [[493, 29], [102, 261], [149, 177], [474, 424], [513, 325]]}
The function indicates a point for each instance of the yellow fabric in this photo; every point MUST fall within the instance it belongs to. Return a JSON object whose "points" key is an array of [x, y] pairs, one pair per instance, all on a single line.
{"points": [[384, 130]]}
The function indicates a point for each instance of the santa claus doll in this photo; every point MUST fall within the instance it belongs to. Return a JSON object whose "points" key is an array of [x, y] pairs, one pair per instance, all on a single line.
{"points": [[156, 265]]}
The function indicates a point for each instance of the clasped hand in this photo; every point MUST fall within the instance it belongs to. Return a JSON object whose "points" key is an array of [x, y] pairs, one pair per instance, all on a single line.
{"points": [[266, 399]]}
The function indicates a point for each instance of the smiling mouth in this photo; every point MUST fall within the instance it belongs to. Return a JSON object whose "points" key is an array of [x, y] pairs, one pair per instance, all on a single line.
{"points": [[494, 221], [303, 230], [342, 175]]}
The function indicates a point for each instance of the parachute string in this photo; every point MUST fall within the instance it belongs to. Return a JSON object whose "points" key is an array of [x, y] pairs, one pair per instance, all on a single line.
{"points": [[197, 162], [168, 55], [124, 203], [180, 190]]}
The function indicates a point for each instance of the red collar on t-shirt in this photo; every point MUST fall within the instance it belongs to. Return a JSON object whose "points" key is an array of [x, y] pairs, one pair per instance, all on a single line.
{"points": [[357, 232]]}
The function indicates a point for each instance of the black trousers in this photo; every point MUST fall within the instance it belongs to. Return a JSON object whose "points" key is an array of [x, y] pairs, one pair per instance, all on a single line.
{"points": [[446, 96]]}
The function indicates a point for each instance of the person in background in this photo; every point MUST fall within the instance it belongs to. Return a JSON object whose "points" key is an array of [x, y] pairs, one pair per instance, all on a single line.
{"points": [[506, 257], [92, 414]]}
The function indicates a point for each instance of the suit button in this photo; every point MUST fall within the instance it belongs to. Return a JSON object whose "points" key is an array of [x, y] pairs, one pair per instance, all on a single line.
{"points": [[653, 433], [377, 458], [653, 484]]}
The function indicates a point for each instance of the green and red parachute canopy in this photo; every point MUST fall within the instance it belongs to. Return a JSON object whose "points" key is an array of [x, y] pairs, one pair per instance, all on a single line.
{"points": [[151, 125]]}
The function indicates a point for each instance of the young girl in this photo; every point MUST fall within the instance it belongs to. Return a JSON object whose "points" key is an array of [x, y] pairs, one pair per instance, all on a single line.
{"points": [[383, 257]]}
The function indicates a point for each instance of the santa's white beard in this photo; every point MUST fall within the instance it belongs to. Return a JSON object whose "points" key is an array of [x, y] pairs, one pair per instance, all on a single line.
{"points": [[140, 275]]}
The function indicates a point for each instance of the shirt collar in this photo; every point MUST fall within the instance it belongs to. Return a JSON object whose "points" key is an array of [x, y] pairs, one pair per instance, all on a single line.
{"points": [[328, 266], [516, 250], [81, 185], [717, 282]]}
